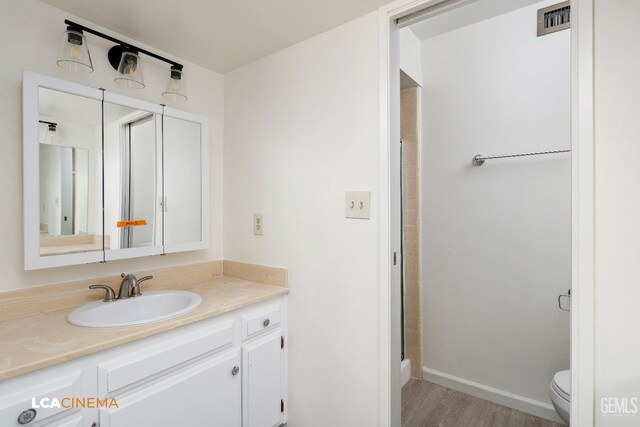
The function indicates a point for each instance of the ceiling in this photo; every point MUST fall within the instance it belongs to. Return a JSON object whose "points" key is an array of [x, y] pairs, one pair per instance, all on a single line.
{"points": [[473, 12], [218, 34]]}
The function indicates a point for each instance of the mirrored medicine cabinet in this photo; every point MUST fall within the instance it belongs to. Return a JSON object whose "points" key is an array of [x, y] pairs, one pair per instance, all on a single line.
{"points": [[109, 177]]}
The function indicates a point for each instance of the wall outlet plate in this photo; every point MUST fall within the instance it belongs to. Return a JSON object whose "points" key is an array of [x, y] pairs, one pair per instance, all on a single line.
{"points": [[358, 204], [258, 225]]}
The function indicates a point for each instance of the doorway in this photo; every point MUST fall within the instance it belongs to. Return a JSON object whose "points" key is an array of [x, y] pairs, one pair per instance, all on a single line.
{"points": [[137, 148], [581, 96]]}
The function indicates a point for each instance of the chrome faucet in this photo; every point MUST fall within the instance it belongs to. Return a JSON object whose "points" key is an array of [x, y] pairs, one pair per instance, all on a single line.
{"points": [[130, 286]]}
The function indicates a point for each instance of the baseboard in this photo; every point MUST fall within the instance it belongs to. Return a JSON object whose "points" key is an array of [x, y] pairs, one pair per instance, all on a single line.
{"points": [[492, 394], [405, 371]]}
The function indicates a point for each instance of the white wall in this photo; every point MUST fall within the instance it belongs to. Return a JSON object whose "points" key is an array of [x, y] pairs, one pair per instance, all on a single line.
{"points": [[496, 243], [410, 57], [617, 198], [34, 47], [301, 128]]}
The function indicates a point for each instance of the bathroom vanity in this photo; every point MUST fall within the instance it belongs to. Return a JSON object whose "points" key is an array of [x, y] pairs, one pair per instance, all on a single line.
{"points": [[109, 177], [223, 364]]}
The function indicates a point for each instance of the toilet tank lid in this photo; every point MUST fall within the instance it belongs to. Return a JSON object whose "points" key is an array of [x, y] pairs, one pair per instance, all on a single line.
{"points": [[563, 380]]}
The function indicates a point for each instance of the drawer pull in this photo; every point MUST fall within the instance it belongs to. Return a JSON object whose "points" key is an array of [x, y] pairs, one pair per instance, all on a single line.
{"points": [[26, 416], [266, 323], [235, 371]]}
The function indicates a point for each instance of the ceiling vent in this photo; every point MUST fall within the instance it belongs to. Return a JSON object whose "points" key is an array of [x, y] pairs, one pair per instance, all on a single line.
{"points": [[554, 18]]}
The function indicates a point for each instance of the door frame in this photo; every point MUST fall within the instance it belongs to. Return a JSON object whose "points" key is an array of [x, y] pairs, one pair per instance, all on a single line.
{"points": [[582, 208]]}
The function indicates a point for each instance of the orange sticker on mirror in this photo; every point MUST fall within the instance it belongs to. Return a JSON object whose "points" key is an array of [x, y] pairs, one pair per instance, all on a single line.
{"points": [[132, 223]]}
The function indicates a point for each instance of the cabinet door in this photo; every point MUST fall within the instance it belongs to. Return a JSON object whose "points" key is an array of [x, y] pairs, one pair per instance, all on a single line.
{"points": [[185, 143], [205, 394], [262, 382]]}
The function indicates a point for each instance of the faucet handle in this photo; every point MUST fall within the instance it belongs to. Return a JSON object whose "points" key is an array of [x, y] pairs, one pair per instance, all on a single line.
{"points": [[135, 292], [109, 296]]}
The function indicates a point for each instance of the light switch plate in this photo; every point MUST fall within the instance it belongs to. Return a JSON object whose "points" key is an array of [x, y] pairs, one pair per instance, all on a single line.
{"points": [[358, 204], [258, 225]]}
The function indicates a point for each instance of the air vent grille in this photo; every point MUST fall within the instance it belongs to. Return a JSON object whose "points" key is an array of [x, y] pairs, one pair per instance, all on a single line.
{"points": [[554, 18]]}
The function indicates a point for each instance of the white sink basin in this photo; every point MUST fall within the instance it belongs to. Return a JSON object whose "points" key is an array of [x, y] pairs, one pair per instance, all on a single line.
{"points": [[152, 306]]}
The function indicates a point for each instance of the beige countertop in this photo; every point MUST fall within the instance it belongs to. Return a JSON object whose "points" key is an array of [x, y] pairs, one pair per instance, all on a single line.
{"points": [[39, 340]]}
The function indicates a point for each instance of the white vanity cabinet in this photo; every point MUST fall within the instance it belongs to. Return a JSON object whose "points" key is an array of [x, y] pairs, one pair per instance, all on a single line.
{"points": [[262, 405], [205, 393], [262, 401], [226, 371]]}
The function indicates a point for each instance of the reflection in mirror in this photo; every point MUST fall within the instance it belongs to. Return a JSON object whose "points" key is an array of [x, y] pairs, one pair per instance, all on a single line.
{"points": [[133, 218], [182, 203], [70, 173]]}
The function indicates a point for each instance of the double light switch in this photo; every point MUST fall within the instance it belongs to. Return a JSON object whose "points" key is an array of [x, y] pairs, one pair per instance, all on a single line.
{"points": [[358, 204]]}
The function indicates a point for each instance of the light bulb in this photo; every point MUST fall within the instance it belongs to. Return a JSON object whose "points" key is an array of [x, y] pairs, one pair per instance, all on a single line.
{"points": [[129, 70], [74, 54], [131, 65], [175, 89]]}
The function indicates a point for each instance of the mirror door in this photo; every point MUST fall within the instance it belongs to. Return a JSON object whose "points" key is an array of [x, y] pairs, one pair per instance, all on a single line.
{"points": [[63, 209], [185, 201], [133, 177]]}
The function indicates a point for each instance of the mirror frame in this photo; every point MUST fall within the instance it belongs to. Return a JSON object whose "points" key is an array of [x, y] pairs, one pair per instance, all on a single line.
{"points": [[31, 83], [31, 171]]}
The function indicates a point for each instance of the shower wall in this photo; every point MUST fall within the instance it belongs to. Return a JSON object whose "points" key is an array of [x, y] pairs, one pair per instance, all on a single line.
{"points": [[409, 132], [496, 245]]}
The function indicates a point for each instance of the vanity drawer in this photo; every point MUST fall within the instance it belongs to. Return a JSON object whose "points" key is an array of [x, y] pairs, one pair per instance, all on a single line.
{"points": [[20, 401], [142, 364], [262, 318]]}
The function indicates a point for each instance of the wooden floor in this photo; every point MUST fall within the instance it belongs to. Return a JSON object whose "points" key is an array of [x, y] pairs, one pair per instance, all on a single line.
{"points": [[425, 404]]}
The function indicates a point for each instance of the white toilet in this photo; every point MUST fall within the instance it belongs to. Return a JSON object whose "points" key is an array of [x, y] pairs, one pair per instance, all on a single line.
{"points": [[560, 393]]}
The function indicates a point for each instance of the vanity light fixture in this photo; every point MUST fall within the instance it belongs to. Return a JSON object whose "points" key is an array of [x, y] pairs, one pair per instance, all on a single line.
{"points": [[126, 61], [175, 89], [52, 136], [124, 58], [74, 54]]}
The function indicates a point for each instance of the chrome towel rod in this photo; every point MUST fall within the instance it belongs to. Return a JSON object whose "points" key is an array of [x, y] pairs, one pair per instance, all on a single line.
{"points": [[478, 159]]}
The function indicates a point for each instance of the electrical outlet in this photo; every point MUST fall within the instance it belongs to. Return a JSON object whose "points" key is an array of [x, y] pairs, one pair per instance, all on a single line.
{"points": [[358, 204], [258, 226]]}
